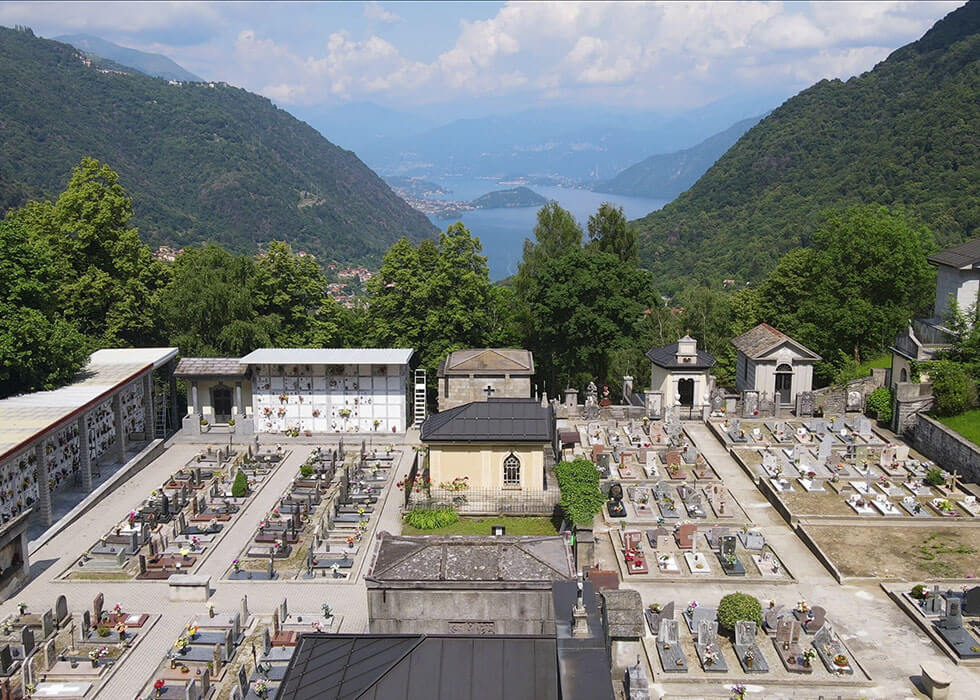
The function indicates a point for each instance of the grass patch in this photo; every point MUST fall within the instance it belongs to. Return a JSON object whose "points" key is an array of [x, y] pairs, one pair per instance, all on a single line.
{"points": [[881, 362], [515, 524], [104, 576], [966, 424]]}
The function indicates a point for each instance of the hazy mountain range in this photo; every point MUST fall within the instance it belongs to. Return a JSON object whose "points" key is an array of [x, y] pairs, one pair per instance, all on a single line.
{"points": [[154, 64]]}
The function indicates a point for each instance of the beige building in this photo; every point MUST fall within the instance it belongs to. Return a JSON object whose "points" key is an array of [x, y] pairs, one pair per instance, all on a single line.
{"points": [[500, 444], [681, 373], [476, 375], [773, 364]]}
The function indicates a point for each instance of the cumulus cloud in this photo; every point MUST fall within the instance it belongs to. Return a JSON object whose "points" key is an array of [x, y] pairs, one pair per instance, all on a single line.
{"points": [[373, 10]]}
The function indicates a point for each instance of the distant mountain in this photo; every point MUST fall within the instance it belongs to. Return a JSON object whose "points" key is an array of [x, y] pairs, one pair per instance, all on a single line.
{"points": [[157, 65], [574, 144], [202, 161], [666, 175], [903, 134]]}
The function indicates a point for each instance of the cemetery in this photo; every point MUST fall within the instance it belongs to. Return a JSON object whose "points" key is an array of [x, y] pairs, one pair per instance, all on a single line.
{"points": [[951, 617], [172, 530], [688, 641], [317, 528]]}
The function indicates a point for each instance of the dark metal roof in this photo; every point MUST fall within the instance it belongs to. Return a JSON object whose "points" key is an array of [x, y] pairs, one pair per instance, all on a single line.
{"points": [[495, 420], [421, 667], [210, 367], [963, 256], [666, 357], [448, 559], [583, 662]]}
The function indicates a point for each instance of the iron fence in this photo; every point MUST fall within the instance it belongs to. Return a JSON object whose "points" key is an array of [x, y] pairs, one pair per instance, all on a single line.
{"points": [[486, 500]]}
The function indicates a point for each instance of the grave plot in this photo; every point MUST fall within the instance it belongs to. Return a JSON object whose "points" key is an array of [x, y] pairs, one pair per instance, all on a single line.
{"points": [[683, 552], [870, 483], [316, 528], [50, 655], [692, 645], [950, 617], [850, 431], [173, 528], [201, 658]]}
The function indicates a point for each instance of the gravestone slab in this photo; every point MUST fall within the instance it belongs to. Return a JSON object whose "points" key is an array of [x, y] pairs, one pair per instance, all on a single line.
{"points": [[669, 647], [748, 652]]}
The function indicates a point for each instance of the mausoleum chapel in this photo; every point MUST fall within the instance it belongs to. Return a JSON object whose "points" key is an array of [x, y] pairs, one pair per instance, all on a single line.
{"points": [[481, 374], [680, 375], [773, 364]]}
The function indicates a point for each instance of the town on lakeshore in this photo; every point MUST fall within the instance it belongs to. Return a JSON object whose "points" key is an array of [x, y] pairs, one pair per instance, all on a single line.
{"points": [[440, 413]]}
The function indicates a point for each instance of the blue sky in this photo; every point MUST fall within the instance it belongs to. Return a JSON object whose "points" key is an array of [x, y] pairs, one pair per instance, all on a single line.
{"points": [[506, 56]]}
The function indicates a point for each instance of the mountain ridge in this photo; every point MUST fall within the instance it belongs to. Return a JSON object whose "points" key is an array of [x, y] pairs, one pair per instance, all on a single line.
{"points": [[901, 135], [153, 64], [202, 161]]}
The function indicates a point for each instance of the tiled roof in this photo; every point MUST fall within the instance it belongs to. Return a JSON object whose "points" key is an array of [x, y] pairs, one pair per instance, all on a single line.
{"points": [[494, 420], [210, 367], [412, 559], [763, 338], [666, 357], [965, 255], [509, 360]]}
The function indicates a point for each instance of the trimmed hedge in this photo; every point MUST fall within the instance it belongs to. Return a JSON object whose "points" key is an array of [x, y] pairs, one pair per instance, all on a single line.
{"points": [[240, 486]]}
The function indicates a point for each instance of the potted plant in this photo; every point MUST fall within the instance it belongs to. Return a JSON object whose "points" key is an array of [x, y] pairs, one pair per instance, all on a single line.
{"points": [[327, 610], [261, 688]]}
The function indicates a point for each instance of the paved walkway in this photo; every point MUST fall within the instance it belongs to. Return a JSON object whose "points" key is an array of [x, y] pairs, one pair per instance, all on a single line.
{"points": [[347, 598]]}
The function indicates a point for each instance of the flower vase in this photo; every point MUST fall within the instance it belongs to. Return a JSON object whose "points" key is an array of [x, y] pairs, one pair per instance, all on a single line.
{"points": [[95, 663], [748, 662], [210, 612]]}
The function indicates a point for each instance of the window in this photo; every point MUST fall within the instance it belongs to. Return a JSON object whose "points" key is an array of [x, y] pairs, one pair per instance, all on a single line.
{"points": [[512, 470], [904, 377]]}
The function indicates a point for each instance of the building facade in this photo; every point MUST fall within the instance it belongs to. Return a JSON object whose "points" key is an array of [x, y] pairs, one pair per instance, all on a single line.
{"points": [[681, 373], [476, 375], [770, 362]]}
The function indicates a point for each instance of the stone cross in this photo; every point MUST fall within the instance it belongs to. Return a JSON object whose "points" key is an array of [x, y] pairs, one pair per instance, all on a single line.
{"points": [[489, 390]]}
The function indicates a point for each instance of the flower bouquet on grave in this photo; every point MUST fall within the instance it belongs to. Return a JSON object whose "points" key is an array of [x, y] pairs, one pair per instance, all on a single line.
{"points": [[236, 565], [840, 661], [327, 610], [192, 631], [691, 607], [22, 607], [808, 656], [181, 645], [158, 686], [738, 691], [802, 606], [261, 688]]}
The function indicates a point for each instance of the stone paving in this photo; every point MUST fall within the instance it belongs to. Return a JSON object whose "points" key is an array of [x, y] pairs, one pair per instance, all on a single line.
{"points": [[348, 598]]}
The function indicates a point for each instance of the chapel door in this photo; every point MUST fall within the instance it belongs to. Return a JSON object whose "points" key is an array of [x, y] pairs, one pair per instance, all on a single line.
{"points": [[784, 383], [222, 404], [685, 387]]}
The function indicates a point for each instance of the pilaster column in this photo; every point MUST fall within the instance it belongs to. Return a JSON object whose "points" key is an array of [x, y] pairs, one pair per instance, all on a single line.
{"points": [[149, 415], [84, 456], [43, 492], [119, 446], [239, 406], [195, 406]]}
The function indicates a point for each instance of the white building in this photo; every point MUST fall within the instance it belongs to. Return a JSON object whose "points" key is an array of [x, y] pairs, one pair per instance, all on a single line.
{"points": [[681, 373], [773, 364], [319, 390]]}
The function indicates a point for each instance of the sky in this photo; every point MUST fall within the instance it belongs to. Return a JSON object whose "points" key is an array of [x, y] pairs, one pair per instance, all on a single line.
{"points": [[449, 57]]}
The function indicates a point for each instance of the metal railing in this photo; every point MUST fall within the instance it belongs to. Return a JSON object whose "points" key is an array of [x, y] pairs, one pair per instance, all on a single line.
{"points": [[487, 500]]}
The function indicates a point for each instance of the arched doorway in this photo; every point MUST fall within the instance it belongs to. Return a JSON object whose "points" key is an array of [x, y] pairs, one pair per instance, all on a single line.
{"points": [[784, 383], [685, 390], [904, 376], [221, 401]]}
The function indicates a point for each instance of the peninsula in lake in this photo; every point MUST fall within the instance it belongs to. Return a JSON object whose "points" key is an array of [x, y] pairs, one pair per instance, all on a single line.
{"points": [[513, 198]]}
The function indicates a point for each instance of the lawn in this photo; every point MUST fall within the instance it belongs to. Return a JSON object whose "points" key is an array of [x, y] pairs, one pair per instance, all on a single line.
{"points": [[966, 424], [515, 524]]}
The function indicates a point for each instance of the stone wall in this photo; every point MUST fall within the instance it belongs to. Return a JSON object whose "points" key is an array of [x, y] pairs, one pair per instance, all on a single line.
{"points": [[468, 389], [947, 448], [911, 398], [461, 611]]}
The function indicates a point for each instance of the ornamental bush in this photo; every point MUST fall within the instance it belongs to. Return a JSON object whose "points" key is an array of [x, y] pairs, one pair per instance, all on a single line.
{"points": [[952, 387], [739, 606], [934, 477], [426, 519], [306, 471], [240, 486], [581, 497], [879, 404]]}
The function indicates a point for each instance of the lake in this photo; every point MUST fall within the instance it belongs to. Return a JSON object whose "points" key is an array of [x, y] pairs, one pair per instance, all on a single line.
{"points": [[502, 231]]}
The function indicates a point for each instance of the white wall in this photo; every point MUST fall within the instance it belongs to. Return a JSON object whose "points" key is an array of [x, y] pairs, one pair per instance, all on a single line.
{"points": [[964, 285]]}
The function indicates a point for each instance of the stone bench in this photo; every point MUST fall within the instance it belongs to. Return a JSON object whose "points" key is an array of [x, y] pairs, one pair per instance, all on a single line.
{"points": [[189, 587]]}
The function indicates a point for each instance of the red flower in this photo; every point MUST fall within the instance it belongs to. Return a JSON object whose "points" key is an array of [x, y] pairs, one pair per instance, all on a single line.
{"points": [[158, 684]]}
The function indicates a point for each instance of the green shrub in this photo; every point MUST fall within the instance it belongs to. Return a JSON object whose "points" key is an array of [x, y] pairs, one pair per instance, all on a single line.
{"points": [[103, 631], [934, 477], [953, 388], [240, 486], [581, 497], [918, 592], [423, 519], [879, 404], [739, 606], [306, 471]]}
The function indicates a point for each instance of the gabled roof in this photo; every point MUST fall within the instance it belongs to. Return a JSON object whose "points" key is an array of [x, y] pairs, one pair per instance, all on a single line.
{"points": [[503, 360], [415, 560], [666, 357], [210, 367], [965, 256], [328, 356], [763, 339], [494, 420], [421, 667]]}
